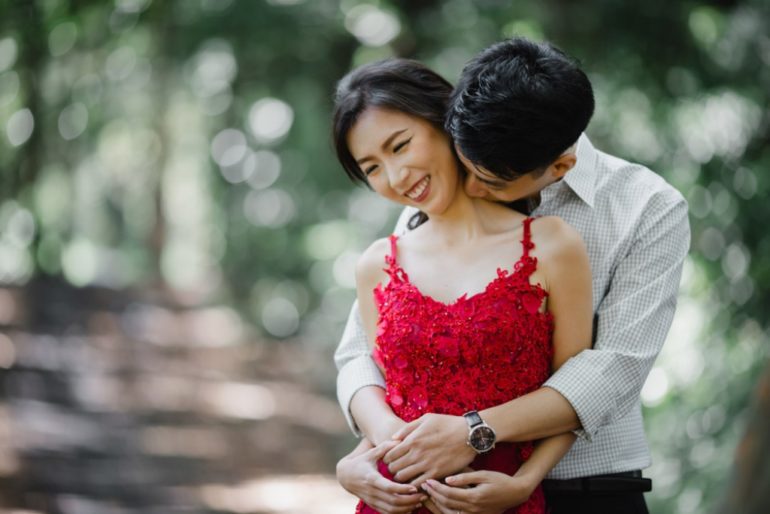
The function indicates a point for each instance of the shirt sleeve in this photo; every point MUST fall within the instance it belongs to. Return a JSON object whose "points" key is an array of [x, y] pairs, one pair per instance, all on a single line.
{"points": [[605, 382], [356, 368], [353, 357]]}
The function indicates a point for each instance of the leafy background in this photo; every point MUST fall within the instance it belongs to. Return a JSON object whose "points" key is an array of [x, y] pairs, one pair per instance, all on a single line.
{"points": [[177, 240]]}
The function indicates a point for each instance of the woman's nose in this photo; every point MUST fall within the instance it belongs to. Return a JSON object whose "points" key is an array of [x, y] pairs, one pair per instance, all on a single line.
{"points": [[398, 176]]}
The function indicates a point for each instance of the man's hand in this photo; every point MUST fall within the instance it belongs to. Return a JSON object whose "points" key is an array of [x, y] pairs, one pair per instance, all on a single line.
{"points": [[387, 429], [358, 474], [479, 492], [432, 446]]}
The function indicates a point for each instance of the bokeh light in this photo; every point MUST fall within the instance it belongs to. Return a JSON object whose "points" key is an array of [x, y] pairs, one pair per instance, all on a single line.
{"points": [[372, 25], [19, 127], [8, 53], [73, 121], [270, 120], [62, 38]]}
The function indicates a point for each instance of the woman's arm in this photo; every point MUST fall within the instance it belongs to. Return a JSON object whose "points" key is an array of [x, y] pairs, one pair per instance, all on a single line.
{"points": [[373, 415], [357, 472]]}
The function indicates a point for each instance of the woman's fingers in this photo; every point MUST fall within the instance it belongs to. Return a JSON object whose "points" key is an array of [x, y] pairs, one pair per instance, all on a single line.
{"points": [[396, 503], [444, 496], [435, 509], [385, 508], [402, 490], [466, 479]]}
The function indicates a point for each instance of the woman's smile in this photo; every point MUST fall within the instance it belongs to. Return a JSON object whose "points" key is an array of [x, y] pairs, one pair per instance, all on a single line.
{"points": [[420, 190]]}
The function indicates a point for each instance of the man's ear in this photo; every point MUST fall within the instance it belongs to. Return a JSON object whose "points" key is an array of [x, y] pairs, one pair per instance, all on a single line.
{"points": [[563, 164]]}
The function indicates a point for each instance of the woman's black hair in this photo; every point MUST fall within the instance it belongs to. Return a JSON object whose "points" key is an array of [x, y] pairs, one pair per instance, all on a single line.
{"points": [[402, 85]]}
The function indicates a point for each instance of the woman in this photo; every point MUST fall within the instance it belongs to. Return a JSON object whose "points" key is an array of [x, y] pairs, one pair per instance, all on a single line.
{"points": [[476, 305]]}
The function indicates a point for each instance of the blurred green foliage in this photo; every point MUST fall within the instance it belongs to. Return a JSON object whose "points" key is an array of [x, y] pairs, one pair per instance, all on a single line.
{"points": [[184, 145]]}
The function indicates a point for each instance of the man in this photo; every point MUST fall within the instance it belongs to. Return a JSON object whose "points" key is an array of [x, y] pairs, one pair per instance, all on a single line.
{"points": [[513, 117]]}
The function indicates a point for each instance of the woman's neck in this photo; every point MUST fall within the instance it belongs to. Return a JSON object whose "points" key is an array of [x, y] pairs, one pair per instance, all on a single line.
{"points": [[467, 219]]}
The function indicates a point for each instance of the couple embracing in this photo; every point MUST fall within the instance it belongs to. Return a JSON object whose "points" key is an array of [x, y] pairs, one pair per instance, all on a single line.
{"points": [[495, 356]]}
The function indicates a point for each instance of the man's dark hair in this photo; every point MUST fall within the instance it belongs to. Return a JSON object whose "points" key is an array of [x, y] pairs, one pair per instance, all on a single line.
{"points": [[402, 85], [518, 105]]}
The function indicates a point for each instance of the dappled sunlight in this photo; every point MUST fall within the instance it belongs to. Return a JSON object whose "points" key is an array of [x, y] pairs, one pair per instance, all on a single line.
{"points": [[282, 495]]}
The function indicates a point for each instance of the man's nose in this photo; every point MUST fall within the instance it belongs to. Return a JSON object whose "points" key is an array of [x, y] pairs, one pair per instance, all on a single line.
{"points": [[474, 187]]}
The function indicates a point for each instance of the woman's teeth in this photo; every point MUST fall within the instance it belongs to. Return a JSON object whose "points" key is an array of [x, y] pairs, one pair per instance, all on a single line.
{"points": [[418, 189]]}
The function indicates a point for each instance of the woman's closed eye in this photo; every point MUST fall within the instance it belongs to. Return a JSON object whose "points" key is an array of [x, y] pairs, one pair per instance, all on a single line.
{"points": [[401, 145], [371, 169]]}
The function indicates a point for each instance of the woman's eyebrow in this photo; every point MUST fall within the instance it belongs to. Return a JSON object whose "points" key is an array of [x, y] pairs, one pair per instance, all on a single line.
{"points": [[384, 145]]}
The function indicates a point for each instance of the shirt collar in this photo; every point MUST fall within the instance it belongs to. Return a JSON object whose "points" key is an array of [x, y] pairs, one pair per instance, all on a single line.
{"points": [[582, 177]]}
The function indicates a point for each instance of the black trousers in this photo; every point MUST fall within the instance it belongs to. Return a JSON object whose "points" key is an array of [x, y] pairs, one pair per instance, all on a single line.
{"points": [[596, 503], [616, 493]]}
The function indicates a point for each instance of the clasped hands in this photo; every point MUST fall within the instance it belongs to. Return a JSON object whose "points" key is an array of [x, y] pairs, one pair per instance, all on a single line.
{"points": [[418, 453]]}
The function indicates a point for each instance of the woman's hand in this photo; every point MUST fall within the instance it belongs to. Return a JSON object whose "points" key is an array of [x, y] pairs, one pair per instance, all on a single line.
{"points": [[358, 474], [479, 492]]}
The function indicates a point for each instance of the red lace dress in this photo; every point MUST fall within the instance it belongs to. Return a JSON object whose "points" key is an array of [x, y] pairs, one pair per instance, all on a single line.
{"points": [[475, 353]]}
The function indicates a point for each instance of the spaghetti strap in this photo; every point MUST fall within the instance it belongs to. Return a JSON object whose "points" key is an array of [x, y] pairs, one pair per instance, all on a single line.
{"points": [[527, 243], [391, 258], [393, 269]]}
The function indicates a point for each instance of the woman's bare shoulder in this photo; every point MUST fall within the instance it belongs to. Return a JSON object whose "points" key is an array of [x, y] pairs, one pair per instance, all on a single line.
{"points": [[370, 265], [555, 237]]}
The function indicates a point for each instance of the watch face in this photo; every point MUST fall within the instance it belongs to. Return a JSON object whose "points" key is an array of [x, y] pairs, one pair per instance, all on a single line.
{"points": [[482, 439]]}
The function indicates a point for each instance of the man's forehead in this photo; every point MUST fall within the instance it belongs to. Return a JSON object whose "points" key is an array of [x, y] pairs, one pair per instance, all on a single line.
{"points": [[480, 170], [484, 173]]}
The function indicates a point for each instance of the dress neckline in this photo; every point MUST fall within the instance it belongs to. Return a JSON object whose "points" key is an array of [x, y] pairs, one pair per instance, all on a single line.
{"points": [[525, 265]]}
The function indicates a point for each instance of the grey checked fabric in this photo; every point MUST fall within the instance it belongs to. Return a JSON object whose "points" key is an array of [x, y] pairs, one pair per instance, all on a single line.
{"points": [[636, 230]]}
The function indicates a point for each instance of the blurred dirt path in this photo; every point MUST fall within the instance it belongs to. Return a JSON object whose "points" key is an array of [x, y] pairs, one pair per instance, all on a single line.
{"points": [[119, 403]]}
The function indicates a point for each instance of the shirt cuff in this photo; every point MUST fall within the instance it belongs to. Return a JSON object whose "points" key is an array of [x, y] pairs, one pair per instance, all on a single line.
{"points": [[590, 405], [356, 374]]}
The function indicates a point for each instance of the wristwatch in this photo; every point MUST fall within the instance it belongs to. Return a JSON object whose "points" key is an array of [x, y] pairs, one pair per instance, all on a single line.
{"points": [[481, 437]]}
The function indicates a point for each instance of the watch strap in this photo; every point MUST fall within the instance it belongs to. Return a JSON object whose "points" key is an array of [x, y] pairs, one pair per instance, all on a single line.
{"points": [[473, 419]]}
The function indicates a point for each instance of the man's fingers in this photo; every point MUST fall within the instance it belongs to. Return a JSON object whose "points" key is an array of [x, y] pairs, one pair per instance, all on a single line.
{"points": [[379, 451], [396, 453], [408, 473], [404, 431], [417, 482]]}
